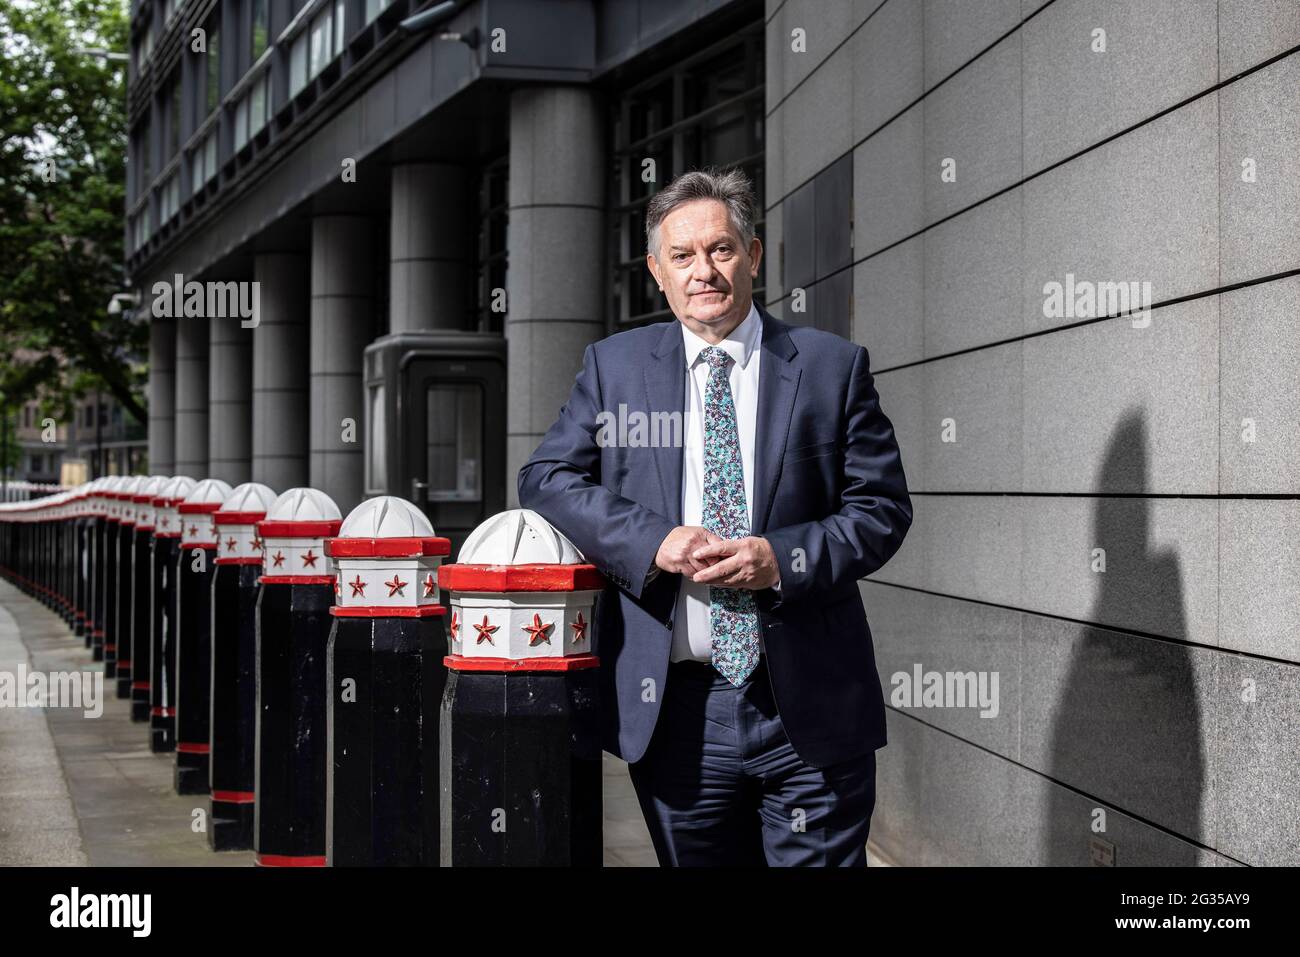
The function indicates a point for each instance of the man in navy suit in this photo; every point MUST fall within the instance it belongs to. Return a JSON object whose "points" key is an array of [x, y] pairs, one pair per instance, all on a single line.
{"points": [[733, 477]]}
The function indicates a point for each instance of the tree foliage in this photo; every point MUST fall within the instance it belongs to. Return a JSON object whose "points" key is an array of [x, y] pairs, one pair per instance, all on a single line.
{"points": [[62, 205]]}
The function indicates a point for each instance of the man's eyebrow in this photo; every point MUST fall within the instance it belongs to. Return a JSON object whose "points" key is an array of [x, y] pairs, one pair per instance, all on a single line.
{"points": [[720, 239]]}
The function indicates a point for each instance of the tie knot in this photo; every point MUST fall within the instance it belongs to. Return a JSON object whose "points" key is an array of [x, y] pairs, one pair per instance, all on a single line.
{"points": [[715, 357]]}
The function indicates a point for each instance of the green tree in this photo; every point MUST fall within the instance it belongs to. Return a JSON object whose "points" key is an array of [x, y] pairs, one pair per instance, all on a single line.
{"points": [[62, 206]]}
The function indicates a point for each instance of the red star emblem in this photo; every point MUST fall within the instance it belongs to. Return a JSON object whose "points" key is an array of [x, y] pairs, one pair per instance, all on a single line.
{"points": [[230, 544], [358, 587], [455, 626], [485, 632], [537, 632], [309, 559], [428, 585], [277, 559], [166, 521], [336, 588], [256, 543], [395, 586], [579, 628], [194, 530]]}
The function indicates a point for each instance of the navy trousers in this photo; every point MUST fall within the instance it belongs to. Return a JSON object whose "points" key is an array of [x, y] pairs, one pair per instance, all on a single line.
{"points": [[721, 785]]}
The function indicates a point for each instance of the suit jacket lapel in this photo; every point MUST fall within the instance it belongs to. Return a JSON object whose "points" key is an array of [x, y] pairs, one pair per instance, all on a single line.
{"points": [[778, 382], [665, 391]]}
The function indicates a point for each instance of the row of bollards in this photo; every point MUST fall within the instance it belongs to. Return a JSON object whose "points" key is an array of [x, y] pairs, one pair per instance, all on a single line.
{"points": [[307, 677]]}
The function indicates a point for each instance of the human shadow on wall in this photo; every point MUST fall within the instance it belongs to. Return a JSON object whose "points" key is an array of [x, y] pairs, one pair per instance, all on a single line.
{"points": [[1126, 729]]}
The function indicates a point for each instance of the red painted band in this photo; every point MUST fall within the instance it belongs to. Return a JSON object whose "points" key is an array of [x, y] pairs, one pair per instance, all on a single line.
{"points": [[140, 685], [378, 611], [236, 561], [269, 528], [289, 860], [567, 663], [163, 712], [237, 518], [122, 663], [386, 547], [166, 534], [207, 545], [143, 528], [108, 648], [532, 577], [185, 747], [97, 633], [198, 508], [297, 579], [139, 499], [233, 797]]}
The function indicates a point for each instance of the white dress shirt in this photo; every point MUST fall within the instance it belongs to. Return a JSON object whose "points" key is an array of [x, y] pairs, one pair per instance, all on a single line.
{"points": [[691, 638]]}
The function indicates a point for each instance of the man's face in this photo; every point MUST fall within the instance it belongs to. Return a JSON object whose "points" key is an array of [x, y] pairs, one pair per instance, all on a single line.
{"points": [[704, 269]]}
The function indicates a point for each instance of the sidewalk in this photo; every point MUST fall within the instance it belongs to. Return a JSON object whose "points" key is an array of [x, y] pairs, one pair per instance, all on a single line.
{"points": [[76, 791]]}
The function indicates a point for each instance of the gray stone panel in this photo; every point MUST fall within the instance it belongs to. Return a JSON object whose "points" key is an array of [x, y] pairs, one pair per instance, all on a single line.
{"points": [[902, 397], [1260, 220], [1143, 207], [1252, 31], [889, 304], [1113, 408], [888, 185], [1259, 576], [956, 31], [162, 396], [974, 121], [1259, 354], [973, 270], [230, 386], [1257, 761], [818, 120], [825, 24], [1158, 53], [887, 65], [545, 242], [980, 392]]}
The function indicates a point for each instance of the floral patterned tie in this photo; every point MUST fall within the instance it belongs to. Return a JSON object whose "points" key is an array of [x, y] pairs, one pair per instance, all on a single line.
{"points": [[733, 616]]}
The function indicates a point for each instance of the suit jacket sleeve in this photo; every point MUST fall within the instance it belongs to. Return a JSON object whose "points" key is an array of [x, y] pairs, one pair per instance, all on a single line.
{"points": [[562, 483], [875, 511]]}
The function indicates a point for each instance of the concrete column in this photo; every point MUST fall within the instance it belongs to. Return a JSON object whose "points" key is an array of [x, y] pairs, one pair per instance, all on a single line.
{"points": [[342, 325], [280, 352], [431, 276], [162, 396], [191, 397], [230, 401], [556, 281]]}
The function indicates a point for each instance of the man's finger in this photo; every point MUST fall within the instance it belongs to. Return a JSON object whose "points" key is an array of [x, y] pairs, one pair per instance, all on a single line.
{"points": [[723, 546], [720, 571]]}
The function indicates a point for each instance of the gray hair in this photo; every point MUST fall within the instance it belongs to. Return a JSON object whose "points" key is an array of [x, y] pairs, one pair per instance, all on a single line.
{"points": [[732, 188]]}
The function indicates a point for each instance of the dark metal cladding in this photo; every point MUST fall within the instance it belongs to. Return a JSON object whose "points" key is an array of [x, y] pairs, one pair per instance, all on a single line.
{"points": [[193, 668], [234, 705], [161, 652], [135, 644], [387, 732], [293, 628], [521, 769]]}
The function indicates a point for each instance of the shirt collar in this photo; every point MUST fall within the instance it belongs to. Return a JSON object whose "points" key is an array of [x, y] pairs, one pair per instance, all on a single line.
{"points": [[739, 344]]}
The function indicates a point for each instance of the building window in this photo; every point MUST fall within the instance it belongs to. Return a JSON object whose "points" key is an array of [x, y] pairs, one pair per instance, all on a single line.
{"points": [[493, 217], [174, 115], [214, 65], [261, 27], [705, 110], [253, 110], [454, 441], [316, 46], [375, 7]]}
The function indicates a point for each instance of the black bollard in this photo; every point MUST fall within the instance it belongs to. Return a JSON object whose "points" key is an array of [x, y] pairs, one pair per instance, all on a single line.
{"points": [[293, 627], [161, 647], [194, 572], [108, 572], [120, 644], [144, 609], [521, 751], [235, 589], [386, 675]]}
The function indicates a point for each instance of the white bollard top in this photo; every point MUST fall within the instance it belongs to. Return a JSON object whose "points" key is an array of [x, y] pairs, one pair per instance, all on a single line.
{"points": [[198, 530], [293, 536], [236, 520], [145, 493], [126, 491], [388, 557], [167, 519]]}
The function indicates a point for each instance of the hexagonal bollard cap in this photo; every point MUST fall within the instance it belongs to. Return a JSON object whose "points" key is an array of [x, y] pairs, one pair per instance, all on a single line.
{"points": [[237, 540], [196, 512], [145, 493], [523, 597], [293, 538], [388, 556], [167, 520], [126, 490]]}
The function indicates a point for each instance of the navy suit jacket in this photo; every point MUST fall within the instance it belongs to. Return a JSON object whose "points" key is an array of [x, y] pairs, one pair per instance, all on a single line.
{"points": [[829, 494]]}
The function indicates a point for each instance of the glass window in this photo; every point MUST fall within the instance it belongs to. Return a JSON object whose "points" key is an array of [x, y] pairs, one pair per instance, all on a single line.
{"points": [[339, 32], [298, 65], [241, 123], [261, 26], [210, 154], [257, 107], [375, 7], [454, 441], [320, 42], [214, 66], [174, 116], [377, 435]]}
